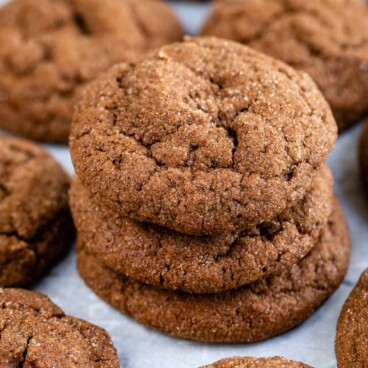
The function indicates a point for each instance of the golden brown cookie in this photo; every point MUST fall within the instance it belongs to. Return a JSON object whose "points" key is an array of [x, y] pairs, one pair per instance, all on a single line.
{"points": [[210, 264], [50, 49], [352, 328], [251, 313], [36, 333], [249, 362], [363, 156], [328, 39], [35, 224], [205, 136]]}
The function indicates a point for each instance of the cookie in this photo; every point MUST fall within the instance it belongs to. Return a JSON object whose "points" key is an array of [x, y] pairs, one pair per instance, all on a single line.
{"points": [[363, 156], [352, 328], [35, 224], [211, 264], [248, 314], [203, 137], [36, 333], [50, 49], [326, 39], [249, 362]]}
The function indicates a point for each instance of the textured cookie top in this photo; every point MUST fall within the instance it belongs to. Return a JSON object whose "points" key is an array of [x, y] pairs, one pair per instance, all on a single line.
{"points": [[363, 155], [249, 362], [36, 333], [248, 314], [49, 49], [352, 328], [33, 188], [35, 223], [326, 38], [203, 137], [207, 264]]}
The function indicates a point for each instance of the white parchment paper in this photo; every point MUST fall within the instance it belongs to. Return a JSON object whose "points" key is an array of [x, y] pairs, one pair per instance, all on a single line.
{"points": [[138, 347]]}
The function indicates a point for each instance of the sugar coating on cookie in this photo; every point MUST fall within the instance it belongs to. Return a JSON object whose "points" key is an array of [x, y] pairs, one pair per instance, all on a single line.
{"points": [[248, 314], [35, 223], [352, 329], [50, 49], [327, 39], [164, 258], [36, 333], [203, 137], [249, 362]]}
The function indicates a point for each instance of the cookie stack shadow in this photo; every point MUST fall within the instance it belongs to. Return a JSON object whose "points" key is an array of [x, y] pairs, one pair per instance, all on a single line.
{"points": [[253, 270]]}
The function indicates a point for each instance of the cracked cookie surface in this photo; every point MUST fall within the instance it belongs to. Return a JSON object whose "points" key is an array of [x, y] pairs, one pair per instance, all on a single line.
{"points": [[249, 362], [352, 328], [248, 314], [363, 156], [50, 49], [210, 264], [327, 39], [202, 137], [35, 224], [36, 333]]}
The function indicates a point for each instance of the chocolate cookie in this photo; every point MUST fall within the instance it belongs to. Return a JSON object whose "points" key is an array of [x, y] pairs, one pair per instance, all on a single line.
{"points": [[202, 137], [50, 49], [35, 223], [352, 328], [36, 333], [248, 362], [248, 314], [211, 264], [327, 39], [363, 156]]}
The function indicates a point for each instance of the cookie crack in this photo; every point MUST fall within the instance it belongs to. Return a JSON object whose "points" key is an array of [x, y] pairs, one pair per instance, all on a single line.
{"points": [[4, 192], [25, 352], [81, 24]]}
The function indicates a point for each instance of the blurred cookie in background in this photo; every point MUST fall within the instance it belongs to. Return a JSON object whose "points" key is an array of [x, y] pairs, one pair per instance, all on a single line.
{"points": [[50, 49], [327, 39]]}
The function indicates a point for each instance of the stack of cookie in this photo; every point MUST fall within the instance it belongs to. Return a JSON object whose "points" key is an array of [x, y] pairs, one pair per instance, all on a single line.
{"points": [[203, 204]]}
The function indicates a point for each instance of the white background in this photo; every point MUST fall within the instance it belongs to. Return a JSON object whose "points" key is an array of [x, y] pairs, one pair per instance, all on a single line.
{"points": [[138, 347]]}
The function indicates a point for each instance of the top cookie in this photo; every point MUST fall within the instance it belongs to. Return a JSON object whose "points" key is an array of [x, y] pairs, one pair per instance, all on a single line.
{"points": [[49, 49], [202, 137], [352, 328], [248, 362], [328, 39], [36, 333]]}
